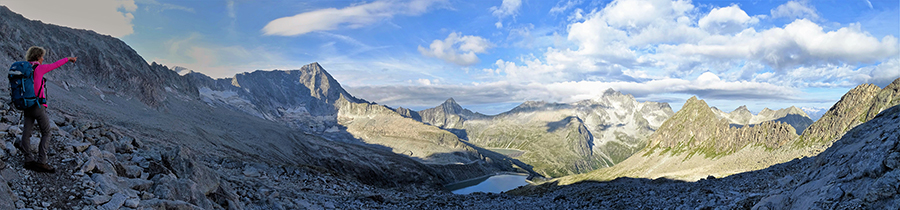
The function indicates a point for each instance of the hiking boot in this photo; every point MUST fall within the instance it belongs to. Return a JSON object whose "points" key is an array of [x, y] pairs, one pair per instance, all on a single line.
{"points": [[39, 167]]}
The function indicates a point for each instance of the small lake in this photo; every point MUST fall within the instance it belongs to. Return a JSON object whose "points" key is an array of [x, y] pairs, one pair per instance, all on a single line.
{"points": [[492, 184]]}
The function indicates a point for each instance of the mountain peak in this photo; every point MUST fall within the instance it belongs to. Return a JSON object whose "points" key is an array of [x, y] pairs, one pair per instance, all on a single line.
{"points": [[450, 101], [611, 91], [313, 66], [694, 101], [742, 108]]}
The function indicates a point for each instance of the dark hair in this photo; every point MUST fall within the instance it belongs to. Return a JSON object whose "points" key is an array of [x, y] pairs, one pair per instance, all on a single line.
{"points": [[34, 53]]}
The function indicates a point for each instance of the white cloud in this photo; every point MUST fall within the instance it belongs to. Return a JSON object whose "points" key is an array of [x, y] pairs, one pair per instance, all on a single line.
{"points": [[230, 6], [560, 8], [163, 6], [457, 49], [620, 47], [507, 8], [794, 9], [726, 20], [636, 14], [349, 17], [707, 85], [801, 42], [112, 17]]}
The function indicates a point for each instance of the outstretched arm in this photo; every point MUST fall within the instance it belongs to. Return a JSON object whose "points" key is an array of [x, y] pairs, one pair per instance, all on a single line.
{"points": [[50, 67]]}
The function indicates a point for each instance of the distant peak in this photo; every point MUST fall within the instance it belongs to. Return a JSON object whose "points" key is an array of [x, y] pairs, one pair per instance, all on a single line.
{"points": [[742, 108], [611, 91], [314, 66], [693, 98], [450, 101], [696, 103]]}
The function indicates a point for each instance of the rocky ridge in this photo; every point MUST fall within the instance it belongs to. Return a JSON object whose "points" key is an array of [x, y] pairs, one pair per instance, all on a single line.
{"points": [[697, 129], [303, 99], [112, 68], [741, 116], [859, 105]]}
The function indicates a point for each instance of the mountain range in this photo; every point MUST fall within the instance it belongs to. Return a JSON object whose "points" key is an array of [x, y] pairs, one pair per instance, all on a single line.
{"points": [[695, 143], [557, 139], [128, 134]]}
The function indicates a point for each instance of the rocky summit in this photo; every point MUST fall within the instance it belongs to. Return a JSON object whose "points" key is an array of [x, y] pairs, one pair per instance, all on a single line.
{"points": [[859, 105], [556, 139]]}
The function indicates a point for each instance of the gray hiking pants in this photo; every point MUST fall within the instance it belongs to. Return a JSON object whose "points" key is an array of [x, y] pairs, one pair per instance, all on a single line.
{"points": [[31, 114]]}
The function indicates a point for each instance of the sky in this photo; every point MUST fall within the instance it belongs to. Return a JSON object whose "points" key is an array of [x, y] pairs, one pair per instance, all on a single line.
{"points": [[493, 55]]}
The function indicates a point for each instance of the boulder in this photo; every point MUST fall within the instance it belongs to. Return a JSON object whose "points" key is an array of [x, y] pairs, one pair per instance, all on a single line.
{"points": [[80, 147], [168, 204], [11, 149], [172, 188], [7, 197], [106, 184], [97, 200], [14, 130], [183, 165], [115, 202]]}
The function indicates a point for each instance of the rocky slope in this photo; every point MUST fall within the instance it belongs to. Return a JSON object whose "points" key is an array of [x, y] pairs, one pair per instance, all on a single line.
{"points": [[105, 63], [556, 139], [742, 117], [857, 106]]}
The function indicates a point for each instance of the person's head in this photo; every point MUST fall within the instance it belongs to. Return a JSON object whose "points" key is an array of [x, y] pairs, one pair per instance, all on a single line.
{"points": [[35, 53]]}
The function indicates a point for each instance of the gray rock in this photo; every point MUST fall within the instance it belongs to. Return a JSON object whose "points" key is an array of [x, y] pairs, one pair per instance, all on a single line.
{"points": [[14, 130], [169, 188], [104, 166], [94, 152], [182, 163], [328, 204], [132, 202], [251, 171], [8, 198], [106, 183], [168, 204], [115, 202], [884, 187], [137, 184], [87, 167], [35, 143], [80, 146], [98, 199], [133, 171], [11, 149], [892, 161]]}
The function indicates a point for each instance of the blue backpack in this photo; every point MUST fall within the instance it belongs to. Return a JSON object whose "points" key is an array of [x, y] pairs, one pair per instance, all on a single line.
{"points": [[21, 85]]}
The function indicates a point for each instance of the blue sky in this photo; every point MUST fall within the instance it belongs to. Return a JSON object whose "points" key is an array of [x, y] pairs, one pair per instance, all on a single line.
{"points": [[492, 55]]}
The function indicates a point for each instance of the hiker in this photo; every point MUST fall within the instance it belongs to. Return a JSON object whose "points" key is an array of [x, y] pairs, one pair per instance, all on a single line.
{"points": [[35, 56]]}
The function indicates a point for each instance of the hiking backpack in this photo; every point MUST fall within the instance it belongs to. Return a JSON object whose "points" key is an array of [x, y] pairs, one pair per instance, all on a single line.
{"points": [[21, 85]]}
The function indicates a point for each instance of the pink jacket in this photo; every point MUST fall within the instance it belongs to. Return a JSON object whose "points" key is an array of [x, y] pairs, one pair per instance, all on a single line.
{"points": [[39, 75]]}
